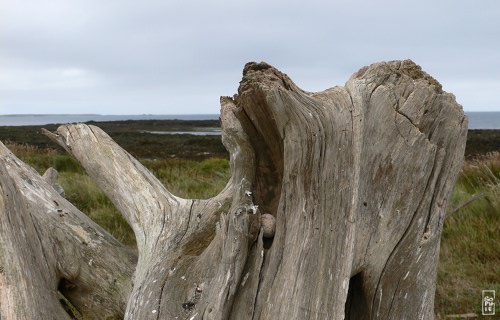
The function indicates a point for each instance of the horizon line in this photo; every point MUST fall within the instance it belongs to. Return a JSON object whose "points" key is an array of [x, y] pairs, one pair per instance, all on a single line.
{"points": [[143, 114], [99, 114]]}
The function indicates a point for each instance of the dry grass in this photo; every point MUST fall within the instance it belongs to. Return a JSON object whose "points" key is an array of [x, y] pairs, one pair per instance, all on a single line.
{"points": [[20, 149]]}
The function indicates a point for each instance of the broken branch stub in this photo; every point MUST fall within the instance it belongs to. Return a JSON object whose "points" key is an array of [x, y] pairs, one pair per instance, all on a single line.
{"points": [[354, 182]]}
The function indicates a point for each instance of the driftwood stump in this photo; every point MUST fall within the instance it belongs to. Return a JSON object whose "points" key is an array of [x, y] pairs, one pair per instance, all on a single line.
{"points": [[354, 182]]}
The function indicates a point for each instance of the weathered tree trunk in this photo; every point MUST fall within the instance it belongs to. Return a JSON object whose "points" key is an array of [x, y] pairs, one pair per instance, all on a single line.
{"points": [[48, 245], [357, 178]]}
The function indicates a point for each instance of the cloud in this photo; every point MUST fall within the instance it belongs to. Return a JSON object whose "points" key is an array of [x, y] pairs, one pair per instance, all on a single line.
{"points": [[179, 57], [18, 77]]}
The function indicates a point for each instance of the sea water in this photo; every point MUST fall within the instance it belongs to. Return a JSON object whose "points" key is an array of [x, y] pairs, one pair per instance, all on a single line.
{"points": [[43, 119], [477, 120]]}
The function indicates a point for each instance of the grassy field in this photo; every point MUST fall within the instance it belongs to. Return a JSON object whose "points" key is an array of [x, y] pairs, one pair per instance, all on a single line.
{"points": [[470, 245], [470, 250]]}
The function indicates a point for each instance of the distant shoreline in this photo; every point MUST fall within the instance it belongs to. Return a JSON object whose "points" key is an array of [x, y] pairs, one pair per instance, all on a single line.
{"points": [[189, 139], [477, 120], [47, 119]]}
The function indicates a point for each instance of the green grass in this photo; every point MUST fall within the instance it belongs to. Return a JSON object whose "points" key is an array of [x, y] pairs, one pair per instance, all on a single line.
{"points": [[470, 250], [86, 196], [191, 179], [470, 245]]}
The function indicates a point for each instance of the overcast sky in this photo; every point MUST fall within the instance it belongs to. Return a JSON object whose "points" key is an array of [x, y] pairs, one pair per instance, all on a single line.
{"points": [[178, 57]]}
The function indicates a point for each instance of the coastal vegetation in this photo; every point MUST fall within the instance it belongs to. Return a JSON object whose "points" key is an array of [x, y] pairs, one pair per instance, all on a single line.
{"points": [[197, 167], [470, 254], [135, 136]]}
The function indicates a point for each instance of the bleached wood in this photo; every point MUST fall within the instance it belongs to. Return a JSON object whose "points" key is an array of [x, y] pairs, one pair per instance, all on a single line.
{"points": [[357, 178], [46, 244]]}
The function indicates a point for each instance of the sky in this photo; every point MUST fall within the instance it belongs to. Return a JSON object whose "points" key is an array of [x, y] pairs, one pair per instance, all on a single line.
{"points": [[179, 57]]}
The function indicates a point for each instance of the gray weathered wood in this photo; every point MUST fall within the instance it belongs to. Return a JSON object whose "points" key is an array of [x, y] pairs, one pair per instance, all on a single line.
{"points": [[46, 245], [357, 179]]}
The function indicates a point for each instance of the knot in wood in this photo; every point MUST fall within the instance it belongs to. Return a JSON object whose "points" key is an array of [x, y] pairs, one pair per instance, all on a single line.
{"points": [[268, 223]]}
